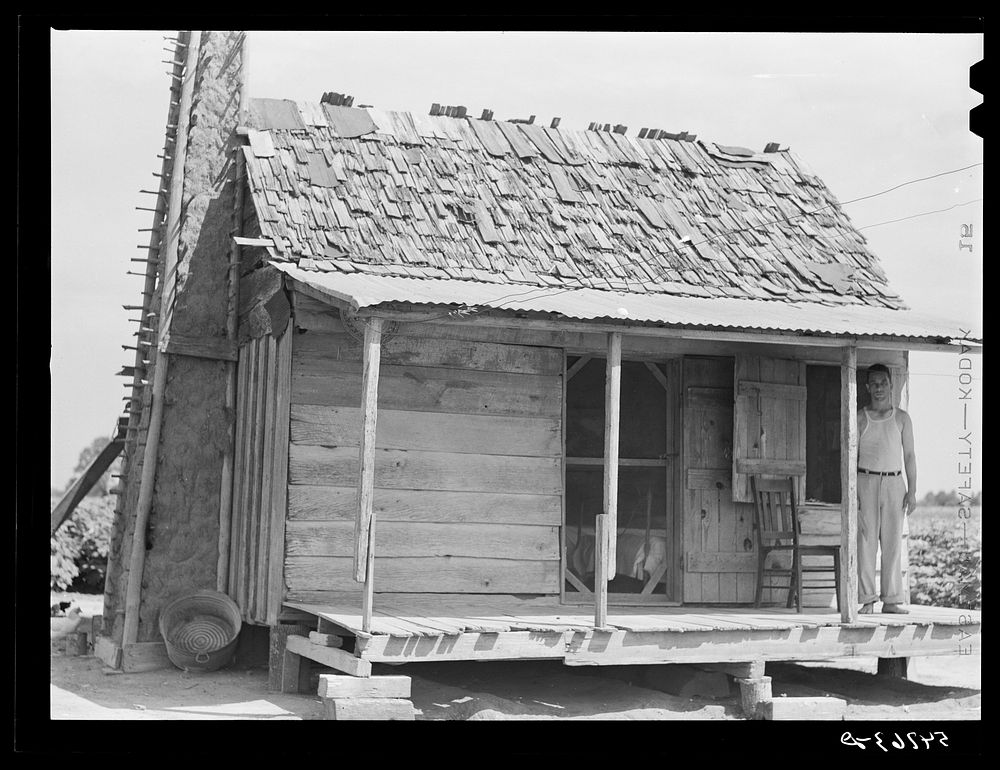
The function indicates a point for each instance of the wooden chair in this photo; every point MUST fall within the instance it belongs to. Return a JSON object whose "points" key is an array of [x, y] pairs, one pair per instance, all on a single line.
{"points": [[776, 528]]}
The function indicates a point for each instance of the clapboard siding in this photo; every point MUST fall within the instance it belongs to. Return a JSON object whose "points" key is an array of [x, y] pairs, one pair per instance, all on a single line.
{"points": [[430, 574], [398, 539], [316, 503], [429, 389], [319, 349], [468, 467], [432, 431], [401, 469]]}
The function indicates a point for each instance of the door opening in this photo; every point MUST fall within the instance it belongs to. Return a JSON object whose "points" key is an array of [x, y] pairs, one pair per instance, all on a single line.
{"points": [[644, 551]]}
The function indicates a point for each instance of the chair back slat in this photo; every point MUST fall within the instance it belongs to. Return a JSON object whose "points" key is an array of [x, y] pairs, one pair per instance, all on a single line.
{"points": [[776, 527], [774, 508]]}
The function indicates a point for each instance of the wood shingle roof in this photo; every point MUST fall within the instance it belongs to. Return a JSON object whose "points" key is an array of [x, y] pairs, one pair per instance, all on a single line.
{"points": [[350, 189]]}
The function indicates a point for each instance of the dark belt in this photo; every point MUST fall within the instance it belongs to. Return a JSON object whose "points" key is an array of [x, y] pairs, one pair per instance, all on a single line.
{"points": [[879, 473]]}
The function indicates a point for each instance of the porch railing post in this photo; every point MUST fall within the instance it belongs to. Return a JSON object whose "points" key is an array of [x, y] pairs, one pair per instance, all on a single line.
{"points": [[364, 524], [606, 526], [849, 485]]}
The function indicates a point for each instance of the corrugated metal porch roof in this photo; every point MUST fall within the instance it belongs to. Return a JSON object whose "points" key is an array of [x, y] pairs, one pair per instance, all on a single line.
{"points": [[367, 291]]}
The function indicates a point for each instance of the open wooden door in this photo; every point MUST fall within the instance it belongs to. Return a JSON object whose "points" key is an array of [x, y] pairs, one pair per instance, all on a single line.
{"points": [[770, 422], [717, 566], [741, 416]]}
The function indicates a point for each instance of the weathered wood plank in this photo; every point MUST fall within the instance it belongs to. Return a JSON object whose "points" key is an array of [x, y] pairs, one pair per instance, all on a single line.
{"points": [[709, 478], [612, 429], [432, 431], [369, 709], [328, 656], [436, 574], [339, 686], [395, 539], [279, 469], [601, 560], [697, 397], [849, 485], [79, 489], [315, 347], [315, 503], [774, 390], [512, 645], [239, 469], [633, 345], [775, 467], [239, 586], [326, 640], [214, 348], [366, 449], [427, 389], [314, 315], [398, 469], [460, 612], [282, 678], [256, 474], [268, 449], [734, 646]]}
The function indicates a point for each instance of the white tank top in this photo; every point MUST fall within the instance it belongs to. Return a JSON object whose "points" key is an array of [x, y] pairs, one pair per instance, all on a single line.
{"points": [[880, 445]]}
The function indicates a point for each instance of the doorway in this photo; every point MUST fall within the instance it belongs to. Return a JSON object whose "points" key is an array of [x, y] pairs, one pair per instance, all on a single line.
{"points": [[646, 538]]}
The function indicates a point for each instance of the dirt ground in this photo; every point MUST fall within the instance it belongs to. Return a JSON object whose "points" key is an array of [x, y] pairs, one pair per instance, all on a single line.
{"points": [[939, 688]]}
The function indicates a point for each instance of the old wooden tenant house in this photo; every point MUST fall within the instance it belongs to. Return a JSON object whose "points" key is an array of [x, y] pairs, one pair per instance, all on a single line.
{"points": [[500, 390], [489, 319]]}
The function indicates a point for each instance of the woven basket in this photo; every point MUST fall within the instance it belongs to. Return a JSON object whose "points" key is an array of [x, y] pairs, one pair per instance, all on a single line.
{"points": [[200, 630]]}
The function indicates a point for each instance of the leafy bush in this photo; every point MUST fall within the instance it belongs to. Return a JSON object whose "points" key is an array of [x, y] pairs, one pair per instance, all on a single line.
{"points": [[946, 567], [79, 548]]}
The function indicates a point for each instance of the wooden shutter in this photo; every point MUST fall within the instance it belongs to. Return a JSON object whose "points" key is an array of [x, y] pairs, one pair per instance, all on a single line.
{"points": [[769, 426]]}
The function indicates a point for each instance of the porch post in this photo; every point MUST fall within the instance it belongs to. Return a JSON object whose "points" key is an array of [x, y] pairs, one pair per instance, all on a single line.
{"points": [[364, 523], [849, 485], [606, 529]]}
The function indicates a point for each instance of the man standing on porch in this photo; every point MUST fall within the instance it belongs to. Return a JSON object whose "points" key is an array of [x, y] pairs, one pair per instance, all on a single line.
{"points": [[885, 443]]}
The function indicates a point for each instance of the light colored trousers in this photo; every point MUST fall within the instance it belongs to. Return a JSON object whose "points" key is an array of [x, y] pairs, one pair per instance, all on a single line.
{"points": [[880, 522]]}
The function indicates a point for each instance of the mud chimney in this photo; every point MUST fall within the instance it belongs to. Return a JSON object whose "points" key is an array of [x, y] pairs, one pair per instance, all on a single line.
{"points": [[179, 423]]}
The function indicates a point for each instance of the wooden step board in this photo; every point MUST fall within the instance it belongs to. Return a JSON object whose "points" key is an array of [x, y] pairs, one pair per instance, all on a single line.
{"points": [[376, 697]]}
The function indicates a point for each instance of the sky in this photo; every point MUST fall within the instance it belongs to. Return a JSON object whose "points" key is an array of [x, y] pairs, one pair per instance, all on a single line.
{"points": [[865, 112]]}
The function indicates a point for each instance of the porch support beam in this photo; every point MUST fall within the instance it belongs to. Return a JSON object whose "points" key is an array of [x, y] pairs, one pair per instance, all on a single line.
{"points": [[873, 342], [606, 524], [612, 424], [849, 485], [364, 523]]}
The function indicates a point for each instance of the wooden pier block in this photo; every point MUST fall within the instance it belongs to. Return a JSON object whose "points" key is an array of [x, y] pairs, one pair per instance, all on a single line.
{"points": [[326, 640], [336, 686], [750, 670], [397, 709], [754, 693], [328, 656], [893, 668], [805, 708], [284, 669]]}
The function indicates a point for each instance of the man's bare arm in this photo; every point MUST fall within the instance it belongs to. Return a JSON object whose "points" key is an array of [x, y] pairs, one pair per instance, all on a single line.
{"points": [[909, 464]]}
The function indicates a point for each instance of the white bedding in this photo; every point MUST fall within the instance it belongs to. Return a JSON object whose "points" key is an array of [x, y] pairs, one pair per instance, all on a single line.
{"points": [[631, 552]]}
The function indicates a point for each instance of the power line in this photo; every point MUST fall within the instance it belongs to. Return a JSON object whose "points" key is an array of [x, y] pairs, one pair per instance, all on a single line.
{"points": [[831, 205], [924, 214]]}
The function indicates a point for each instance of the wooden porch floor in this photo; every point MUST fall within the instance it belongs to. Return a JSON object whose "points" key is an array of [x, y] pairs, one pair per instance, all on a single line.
{"points": [[499, 627]]}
